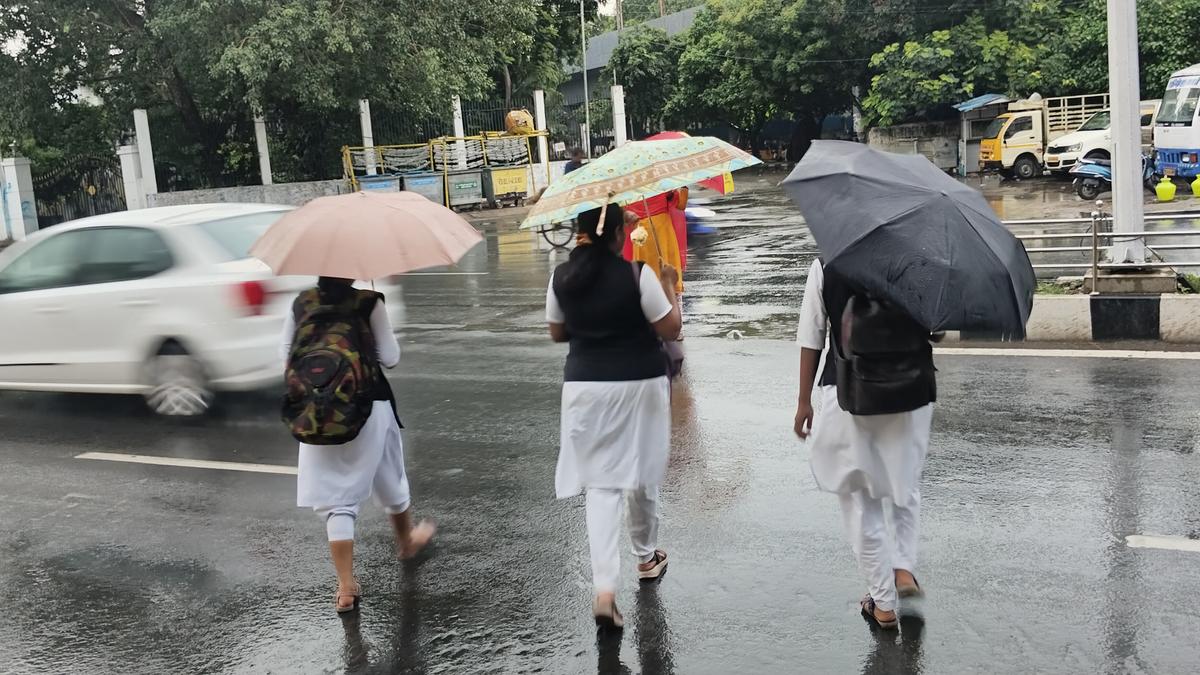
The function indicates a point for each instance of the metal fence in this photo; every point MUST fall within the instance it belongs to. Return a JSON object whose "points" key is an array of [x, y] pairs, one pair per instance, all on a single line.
{"points": [[1083, 250]]}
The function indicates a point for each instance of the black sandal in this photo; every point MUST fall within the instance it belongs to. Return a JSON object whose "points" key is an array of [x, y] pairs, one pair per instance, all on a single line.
{"points": [[657, 569], [868, 611]]}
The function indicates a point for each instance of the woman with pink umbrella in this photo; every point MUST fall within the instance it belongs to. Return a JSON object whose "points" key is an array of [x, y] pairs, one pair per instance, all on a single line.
{"points": [[336, 342]]}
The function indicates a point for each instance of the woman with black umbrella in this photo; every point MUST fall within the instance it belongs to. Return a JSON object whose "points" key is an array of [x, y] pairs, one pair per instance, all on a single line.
{"points": [[867, 460], [906, 251]]}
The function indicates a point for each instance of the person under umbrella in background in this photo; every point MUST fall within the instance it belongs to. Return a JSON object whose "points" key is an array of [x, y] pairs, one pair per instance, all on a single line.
{"points": [[616, 414], [664, 223]]}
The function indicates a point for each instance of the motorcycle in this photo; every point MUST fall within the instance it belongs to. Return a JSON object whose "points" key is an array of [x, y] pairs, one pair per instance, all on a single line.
{"points": [[1094, 176]]}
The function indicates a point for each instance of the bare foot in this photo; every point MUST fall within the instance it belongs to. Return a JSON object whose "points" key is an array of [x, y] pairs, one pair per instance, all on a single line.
{"points": [[418, 538]]}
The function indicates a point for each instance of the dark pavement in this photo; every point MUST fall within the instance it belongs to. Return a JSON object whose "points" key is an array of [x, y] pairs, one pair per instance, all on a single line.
{"points": [[1039, 468]]}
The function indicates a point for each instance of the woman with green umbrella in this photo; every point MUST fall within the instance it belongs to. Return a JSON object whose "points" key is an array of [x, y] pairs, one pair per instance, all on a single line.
{"points": [[616, 415]]}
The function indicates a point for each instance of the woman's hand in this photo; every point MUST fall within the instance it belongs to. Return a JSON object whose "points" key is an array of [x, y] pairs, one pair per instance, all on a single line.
{"points": [[804, 419], [669, 275]]}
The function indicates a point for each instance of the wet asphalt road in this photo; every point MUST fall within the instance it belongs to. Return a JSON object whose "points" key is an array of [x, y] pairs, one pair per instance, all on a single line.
{"points": [[1039, 469]]}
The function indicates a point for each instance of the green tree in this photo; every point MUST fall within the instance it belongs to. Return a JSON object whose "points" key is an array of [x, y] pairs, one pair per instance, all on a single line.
{"points": [[644, 63], [926, 77], [203, 68]]}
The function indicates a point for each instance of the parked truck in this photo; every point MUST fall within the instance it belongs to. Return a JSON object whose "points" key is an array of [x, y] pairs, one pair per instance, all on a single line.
{"points": [[1015, 143]]}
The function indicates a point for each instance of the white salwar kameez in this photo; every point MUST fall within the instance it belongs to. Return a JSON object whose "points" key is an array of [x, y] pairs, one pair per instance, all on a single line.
{"points": [[866, 460], [334, 480], [615, 438]]}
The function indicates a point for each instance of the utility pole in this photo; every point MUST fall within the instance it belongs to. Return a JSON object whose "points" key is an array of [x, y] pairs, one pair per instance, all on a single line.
{"points": [[1124, 94], [587, 111], [620, 16], [662, 8]]}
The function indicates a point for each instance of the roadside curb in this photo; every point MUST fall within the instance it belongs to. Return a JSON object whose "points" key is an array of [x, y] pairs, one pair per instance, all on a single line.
{"points": [[1104, 318]]}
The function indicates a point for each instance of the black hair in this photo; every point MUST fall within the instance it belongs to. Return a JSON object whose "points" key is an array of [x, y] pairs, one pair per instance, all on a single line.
{"points": [[335, 289], [583, 265]]}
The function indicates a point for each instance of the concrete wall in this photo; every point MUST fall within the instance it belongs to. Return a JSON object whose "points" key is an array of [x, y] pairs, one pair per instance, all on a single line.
{"points": [[936, 140], [1096, 318], [293, 194]]}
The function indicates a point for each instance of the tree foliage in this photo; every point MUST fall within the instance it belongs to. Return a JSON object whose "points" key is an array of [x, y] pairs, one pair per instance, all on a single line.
{"points": [[204, 68], [644, 63]]}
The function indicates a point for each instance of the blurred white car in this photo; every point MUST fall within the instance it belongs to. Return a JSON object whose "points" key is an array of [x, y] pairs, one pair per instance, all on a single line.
{"points": [[162, 302]]}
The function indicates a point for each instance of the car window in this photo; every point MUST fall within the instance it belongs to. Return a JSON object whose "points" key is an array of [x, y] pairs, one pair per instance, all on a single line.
{"points": [[236, 235], [51, 263], [123, 254], [1019, 125], [1098, 122]]}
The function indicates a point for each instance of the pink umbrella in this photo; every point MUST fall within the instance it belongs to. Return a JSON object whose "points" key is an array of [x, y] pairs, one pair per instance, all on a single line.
{"points": [[365, 235]]}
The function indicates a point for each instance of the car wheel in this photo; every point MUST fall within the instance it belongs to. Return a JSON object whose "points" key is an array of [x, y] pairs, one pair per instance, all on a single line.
{"points": [[1097, 154], [1025, 168], [178, 385]]}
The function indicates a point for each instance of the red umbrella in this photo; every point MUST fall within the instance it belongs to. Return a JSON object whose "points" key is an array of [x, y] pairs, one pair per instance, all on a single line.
{"points": [[721, 184]]}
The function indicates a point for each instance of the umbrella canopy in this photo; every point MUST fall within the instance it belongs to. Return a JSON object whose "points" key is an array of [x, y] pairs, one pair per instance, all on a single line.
{"points": [[634, 171], [365, 235], [901, 230], [722, 184]]}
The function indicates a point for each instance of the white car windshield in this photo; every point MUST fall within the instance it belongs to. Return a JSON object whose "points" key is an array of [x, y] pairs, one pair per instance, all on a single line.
{"points": [[1098, 122], [236, 235]]}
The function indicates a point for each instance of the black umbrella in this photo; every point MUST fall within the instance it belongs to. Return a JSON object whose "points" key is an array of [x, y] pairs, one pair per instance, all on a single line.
{"points": [[900, 229]]}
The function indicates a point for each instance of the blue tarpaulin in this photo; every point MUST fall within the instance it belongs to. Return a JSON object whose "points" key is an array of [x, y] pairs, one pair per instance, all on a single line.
{"points": [[980, 101]]}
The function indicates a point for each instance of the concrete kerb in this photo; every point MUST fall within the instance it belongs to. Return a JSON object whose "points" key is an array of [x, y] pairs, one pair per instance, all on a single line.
{"points": [[1082, 318]]}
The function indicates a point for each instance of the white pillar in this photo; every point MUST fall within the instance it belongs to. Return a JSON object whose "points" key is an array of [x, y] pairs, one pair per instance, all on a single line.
{"points": [[618, 112], [264, 152], [539, 123], [585, 138], [1124, 93], [460, 147], [131, 176], [368, 136], [141, 125], [16, 182], [587, 107], [857, 114]]}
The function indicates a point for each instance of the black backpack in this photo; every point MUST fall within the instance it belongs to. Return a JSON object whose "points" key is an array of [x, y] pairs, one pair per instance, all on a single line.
{"points": [[884, 360]]}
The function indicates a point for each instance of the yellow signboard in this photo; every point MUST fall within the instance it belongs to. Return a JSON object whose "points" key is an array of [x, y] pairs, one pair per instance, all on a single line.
{"points": [[508, 181]]}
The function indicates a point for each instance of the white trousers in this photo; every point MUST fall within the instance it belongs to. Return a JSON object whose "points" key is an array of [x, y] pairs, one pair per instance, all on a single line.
{"points": [[882, 549], [339, 520], [604, 528]]}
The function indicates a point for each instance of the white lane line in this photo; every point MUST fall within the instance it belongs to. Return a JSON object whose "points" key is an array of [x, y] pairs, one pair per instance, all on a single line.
{"points": [[1163, 542], [446, 274], [1070, 353], [189, 463]]}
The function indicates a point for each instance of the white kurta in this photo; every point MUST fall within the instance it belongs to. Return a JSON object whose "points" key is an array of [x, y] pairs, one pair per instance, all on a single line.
{"points": [[347, 474], [882, 455], [614, 435]]}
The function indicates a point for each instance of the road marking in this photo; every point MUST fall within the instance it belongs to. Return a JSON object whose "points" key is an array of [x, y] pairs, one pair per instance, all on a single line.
{"points": [[1159, 541], [189, 463], [446, 274], [1070, 353]]}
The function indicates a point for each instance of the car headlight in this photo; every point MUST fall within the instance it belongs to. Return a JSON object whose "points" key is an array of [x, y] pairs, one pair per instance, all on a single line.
{"points": [[1073, 148]]}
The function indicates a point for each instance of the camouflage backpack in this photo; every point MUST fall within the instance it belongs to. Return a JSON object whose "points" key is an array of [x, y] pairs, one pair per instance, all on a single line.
{"points": [[333, 369]]}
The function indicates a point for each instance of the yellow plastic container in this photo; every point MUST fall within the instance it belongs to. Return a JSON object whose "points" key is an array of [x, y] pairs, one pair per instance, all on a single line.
{"points": [[1196, 187], [1165, 190]]}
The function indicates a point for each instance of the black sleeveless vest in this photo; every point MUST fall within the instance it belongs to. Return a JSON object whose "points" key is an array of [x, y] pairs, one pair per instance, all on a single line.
{"points": [[610, 338]]}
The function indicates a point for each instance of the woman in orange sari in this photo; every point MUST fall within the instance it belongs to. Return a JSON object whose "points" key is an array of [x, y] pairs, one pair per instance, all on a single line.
{"points": [[666, 232]]}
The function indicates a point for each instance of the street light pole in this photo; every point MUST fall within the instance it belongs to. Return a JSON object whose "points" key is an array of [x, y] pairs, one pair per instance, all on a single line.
{"points": [[1124, 94], [587, 111]]}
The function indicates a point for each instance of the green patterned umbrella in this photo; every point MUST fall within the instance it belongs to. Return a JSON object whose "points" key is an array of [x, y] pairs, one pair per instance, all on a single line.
{"points": [[635, 171]]}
